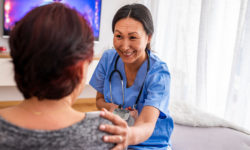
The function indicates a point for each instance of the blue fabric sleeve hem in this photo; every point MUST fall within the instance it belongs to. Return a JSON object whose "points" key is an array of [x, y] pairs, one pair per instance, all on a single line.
{"points": [[162, 114]]}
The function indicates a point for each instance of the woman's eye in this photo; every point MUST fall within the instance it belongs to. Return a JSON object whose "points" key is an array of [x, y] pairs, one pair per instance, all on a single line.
{"points": [[118, 36], [132, 37]]}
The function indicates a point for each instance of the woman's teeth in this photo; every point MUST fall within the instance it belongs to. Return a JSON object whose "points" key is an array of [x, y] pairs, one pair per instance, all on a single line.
{"points": [[127, 53]]}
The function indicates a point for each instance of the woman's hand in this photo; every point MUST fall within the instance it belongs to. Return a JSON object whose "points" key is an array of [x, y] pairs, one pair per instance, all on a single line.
{"points": [[133, 112], [101, 103], [112, 107], [120, 130]]}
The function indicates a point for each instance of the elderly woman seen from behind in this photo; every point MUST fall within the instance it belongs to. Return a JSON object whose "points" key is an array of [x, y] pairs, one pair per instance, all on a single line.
{"points": [[51, 48]]}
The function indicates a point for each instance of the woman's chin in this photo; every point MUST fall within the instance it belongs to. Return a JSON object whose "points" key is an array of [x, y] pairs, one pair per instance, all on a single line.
{"points": [[128, 60]]}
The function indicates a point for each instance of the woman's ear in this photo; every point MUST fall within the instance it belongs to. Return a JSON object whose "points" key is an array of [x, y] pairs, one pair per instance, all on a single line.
{"points": [[148, 43], [149, 38]]}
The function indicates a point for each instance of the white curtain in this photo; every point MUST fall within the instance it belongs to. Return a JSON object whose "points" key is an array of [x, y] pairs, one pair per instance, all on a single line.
{"points": [[238, 100], [205, 44]]}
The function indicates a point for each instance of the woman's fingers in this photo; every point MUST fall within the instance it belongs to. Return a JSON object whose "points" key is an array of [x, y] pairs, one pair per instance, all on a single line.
{"points": [[119, 130], [119, 136], [113, 107], [115, 130], [121, 141], [134, 113], [113, 139]]}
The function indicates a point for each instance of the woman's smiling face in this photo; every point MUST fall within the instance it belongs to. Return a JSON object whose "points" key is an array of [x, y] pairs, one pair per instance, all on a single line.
{"points": [[130, 40]]}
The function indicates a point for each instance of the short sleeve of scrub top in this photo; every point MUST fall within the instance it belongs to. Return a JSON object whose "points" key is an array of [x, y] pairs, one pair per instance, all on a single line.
{"points": [[158, 88]]}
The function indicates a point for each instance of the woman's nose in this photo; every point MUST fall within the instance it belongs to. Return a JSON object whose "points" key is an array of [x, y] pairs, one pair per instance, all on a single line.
{"points": [[125, 45]]}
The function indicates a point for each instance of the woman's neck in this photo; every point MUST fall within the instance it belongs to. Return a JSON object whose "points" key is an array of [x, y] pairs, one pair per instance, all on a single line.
{"points": [[46, 114], [46, 106]]}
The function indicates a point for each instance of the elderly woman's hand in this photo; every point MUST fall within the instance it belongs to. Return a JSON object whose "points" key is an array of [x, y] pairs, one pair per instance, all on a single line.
{"points": [[120, 130]]}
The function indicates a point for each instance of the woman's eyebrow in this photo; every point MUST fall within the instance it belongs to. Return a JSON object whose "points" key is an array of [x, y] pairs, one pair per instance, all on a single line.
{"points": [[133, 33], [128, 33], [118, 31]]}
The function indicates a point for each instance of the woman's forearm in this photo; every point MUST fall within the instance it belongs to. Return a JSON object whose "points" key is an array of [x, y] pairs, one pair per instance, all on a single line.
{"points": [[140, 133], [101, 103], [144, 125]]}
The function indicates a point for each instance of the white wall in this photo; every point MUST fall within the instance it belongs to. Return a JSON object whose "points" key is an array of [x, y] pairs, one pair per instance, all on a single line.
{"points": [[3, 42], [11, 93], [109, 7]]}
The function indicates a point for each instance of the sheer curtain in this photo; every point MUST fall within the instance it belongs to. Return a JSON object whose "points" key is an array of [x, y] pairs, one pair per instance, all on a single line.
{"points": [[204, 43], [238, 104]]}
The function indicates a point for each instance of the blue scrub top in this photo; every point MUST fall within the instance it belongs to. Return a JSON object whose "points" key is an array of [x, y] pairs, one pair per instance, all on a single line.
{"points": [[156, 90]]}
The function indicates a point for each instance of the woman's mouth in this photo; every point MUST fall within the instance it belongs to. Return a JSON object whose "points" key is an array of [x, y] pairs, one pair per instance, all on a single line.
{"points": [[127, 54]]}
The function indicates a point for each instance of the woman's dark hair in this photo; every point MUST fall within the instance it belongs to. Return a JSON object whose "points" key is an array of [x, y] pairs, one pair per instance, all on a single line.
{"points": [[138, 12], [48, 47]]}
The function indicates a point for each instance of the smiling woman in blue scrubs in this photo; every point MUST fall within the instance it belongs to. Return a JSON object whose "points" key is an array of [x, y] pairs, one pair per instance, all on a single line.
{"points": [[130, 77]]}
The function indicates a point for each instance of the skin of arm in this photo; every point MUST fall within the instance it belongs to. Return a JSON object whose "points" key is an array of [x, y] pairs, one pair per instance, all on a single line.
{"points": [[139, 132], [144, 125], [100, 103]]}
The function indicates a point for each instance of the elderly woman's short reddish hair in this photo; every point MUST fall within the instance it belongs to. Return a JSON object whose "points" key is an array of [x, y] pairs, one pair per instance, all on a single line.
{"points": [[48, 47]]}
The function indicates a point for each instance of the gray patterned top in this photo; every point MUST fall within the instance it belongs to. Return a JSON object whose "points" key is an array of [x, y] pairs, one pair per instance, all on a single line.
{"points": [[83, 135]]}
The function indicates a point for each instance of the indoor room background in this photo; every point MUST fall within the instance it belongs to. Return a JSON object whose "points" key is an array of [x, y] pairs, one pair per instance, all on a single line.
{"points": [[205, 44]]}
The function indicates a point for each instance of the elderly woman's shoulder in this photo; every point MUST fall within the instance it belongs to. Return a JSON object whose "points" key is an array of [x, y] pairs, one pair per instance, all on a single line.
{"points": [[95, 117]]}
